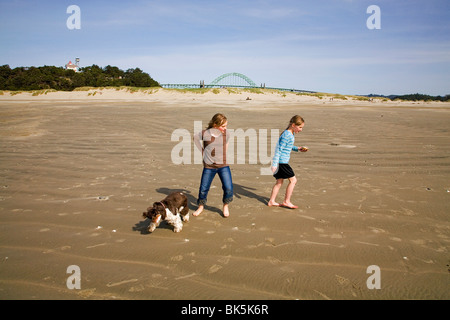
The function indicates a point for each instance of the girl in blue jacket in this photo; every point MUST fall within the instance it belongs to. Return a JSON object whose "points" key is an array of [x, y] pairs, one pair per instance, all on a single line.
{"points": [[280, 162]]}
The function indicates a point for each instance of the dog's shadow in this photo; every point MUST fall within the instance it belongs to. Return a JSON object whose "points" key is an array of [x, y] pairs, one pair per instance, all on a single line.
{"points": [[142, 226]]}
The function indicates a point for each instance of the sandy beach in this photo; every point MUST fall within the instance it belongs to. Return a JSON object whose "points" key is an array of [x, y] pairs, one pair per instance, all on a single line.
{"points": [[77, 169]]}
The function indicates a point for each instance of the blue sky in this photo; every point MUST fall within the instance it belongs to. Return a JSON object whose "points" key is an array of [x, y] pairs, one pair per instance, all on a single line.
{"points": [[319, 45]]}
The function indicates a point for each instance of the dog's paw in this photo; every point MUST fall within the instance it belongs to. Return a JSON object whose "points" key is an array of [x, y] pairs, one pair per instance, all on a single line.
{"points": [[186, 218], [152, 227], [177, 229]]}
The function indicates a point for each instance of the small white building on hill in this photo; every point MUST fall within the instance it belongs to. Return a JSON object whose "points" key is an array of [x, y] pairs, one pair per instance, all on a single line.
{"points": [[71, 66]]}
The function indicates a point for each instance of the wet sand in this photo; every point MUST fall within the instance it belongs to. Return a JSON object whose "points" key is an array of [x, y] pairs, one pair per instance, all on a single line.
{"points": [[77, 171]]}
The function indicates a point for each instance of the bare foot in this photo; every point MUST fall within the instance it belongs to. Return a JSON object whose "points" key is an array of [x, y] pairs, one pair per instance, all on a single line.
{"points": [[273, 204], [226, 211], [198, 211], [289, 205]]}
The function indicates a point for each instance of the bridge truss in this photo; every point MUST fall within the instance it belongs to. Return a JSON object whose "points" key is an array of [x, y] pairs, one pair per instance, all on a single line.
{"points": [[233, 79]]}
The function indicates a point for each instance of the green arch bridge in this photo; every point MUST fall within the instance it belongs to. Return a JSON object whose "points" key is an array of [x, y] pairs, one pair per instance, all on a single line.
{"points": [[232, 79]]}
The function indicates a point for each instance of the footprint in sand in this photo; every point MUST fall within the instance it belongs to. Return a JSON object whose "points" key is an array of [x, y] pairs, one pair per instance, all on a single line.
{"points": [[214, 268], [177, 258], [86, 293], [273, 260], [341, 280], [224, 260], [137, 288], [377, 230]]}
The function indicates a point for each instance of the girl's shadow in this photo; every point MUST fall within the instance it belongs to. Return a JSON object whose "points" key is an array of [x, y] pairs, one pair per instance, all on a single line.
{"points": [[243, 191]]}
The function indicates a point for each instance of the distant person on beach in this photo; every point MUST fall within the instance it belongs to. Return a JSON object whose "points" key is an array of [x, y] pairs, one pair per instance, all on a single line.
{"points": [[213, 142], [280, 162]]}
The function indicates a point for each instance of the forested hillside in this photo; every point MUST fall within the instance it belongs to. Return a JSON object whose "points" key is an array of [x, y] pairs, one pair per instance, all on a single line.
{"points": [[58, 78]]}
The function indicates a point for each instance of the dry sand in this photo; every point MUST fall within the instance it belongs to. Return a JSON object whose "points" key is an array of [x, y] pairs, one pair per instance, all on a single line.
{"points": [[77, 170]]}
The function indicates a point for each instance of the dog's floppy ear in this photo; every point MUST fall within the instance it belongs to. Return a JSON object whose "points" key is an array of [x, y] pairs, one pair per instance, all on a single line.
{"points": [[148, 213], [159, 208]]}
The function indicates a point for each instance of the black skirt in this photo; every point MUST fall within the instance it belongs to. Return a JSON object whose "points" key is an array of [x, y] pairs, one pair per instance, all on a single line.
{"points": [[284, 171]]}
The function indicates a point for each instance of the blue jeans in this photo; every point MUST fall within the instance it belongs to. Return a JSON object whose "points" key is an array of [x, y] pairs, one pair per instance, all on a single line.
{"points": [[207, 178]]}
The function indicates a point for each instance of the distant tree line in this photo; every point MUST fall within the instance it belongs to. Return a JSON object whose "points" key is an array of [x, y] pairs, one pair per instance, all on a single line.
{"points": [[423, 97], [413, 97], [59, 78]]}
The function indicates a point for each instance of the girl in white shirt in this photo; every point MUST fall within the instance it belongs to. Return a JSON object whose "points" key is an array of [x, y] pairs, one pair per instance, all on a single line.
{"points": [[213, 143]]}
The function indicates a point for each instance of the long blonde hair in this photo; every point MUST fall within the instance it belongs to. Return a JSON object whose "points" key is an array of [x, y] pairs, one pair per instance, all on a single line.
{"points": [[297, 120], [217, 120]]}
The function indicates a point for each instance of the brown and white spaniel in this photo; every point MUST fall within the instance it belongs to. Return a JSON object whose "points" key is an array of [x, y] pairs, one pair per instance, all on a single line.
{"points": [[173, 209]]}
